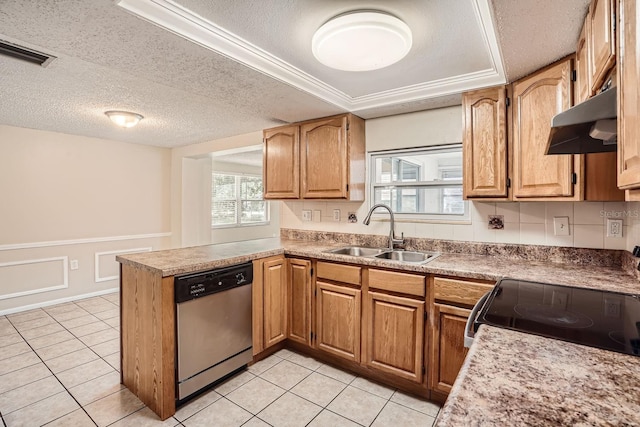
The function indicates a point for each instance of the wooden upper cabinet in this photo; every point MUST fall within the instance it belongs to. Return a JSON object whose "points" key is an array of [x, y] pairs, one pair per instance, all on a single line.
{"points": [[485, 143], [537, 98], [299, 310], [628, 96], [317, 159], [583, 64], [602, 40], [281, 163]]}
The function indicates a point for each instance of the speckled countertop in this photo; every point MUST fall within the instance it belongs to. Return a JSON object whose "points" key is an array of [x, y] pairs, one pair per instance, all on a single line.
{"points": [[515, 379], [185, 260]]}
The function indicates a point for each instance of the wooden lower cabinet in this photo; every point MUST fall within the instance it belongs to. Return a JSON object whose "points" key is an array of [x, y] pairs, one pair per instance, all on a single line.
{"points": [[448, 345], [269, 302], [394, 335], [299, 309], [338, 310]]}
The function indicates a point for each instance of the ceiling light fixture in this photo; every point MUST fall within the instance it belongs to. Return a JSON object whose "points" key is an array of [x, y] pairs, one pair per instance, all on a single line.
{"points": [[361, 41], [124, 119]]}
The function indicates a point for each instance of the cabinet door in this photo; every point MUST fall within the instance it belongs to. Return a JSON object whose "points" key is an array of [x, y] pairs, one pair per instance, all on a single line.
{"points": [[300, 301], [583, 66], [275, 301], [281, 163], [485, 143], [447, 345], [537, 99], [602, 40], [338, 320], [395, 335], [324, 159], [628, 97]]}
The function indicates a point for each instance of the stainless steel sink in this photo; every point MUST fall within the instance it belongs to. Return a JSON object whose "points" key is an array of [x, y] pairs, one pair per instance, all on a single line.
{"points": [[357, 251], [408, 256]]}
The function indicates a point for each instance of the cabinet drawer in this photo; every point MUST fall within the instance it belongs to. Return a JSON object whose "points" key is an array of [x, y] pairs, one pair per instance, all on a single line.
{"points": [[405, 283], [459, 291], [339, 272]]}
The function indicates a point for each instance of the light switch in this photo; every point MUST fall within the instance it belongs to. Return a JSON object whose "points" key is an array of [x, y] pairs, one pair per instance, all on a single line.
{"points": [[306, 214], [336, 215], [614, 227], [561, 225]]}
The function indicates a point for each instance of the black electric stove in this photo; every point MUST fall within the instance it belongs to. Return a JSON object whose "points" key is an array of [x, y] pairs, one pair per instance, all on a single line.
{"points": [[603, 319]]}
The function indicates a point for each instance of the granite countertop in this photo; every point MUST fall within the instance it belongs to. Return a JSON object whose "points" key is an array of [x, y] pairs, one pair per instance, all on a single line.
{"points": [[186, 260], [512, 378]]}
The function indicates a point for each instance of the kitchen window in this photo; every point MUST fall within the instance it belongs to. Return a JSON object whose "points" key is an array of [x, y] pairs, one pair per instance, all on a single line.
{"points": [[420, 184], [236, 200]]}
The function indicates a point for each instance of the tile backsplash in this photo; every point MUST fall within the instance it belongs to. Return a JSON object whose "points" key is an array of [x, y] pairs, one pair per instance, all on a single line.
{"points": [[524, 223]]}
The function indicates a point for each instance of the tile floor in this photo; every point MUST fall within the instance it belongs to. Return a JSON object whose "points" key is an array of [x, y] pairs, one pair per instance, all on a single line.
{"points": [[59, 367]]}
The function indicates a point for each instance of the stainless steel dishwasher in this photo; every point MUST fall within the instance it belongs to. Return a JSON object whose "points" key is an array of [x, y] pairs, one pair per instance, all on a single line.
{"points": [[213, 326]]}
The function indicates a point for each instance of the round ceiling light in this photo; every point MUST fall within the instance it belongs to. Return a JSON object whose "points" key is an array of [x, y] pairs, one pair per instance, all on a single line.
{"points": [[124, 119], [361, 41]]}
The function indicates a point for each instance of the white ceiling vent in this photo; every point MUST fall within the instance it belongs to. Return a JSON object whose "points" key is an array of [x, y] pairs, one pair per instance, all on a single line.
{"points": [[25, 54]]}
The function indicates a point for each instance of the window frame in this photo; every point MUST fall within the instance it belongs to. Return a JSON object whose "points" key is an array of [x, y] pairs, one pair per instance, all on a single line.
{"points": [[238, 200], [416, 217]]}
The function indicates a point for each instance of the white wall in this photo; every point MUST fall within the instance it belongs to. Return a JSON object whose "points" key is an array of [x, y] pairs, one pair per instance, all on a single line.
{"points": [[67, 197], [525, 223]]}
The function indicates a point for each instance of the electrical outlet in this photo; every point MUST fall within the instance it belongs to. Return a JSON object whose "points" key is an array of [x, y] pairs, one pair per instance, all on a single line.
{"points": [[306, 214], [611, 308], [73, 264], [561, 225], [317, 216], [559, 299], [336, 215], [614, 227]]}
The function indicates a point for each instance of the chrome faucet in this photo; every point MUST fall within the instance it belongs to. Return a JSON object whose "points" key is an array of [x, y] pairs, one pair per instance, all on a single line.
{"points": [[392, 228]]}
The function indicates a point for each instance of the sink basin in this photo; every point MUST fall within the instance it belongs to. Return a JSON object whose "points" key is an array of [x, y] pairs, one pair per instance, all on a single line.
{"points": [[408, 256], [357, 251]]}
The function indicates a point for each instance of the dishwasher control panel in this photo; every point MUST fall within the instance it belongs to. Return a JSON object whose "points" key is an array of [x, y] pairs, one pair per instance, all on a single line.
{"points": [[196, 285]]}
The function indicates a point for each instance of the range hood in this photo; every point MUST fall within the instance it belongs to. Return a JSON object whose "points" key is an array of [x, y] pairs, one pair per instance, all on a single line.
{"points": [[589, 127]]}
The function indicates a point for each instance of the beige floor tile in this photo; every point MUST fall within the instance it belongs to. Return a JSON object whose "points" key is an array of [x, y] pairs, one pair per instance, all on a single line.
{"points": [[14, 350], [108, 314], [12, 338], [420, 405], [99, 308], [60, 308], [284, 353], [398, 415], [145, 417], [60, 349], [41, 331], [70, 314], [113, 298], [6, 328], [88, 302], [113, 360], [91, 328], [286, 374], [336, 374], [97, 388], [79, 321], [196, 405], [234, 382], [357, 405], [20, 361], [71, 360], [23, 376], [25, 316], [114, 407], [307, 362], [373, 388], [221, 413], [255, 395], [77, 418], [83, 373], [329, 419], [23, 396], [100, 337], [266, 363], [255, 422], [43, 411], [35, 323], [114, 322], [289, 411], [108, 347], [318, 389], [51, 339]]}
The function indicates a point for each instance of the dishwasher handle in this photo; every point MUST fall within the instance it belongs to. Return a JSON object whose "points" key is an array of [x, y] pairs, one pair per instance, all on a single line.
{"points": [[468, 330]]}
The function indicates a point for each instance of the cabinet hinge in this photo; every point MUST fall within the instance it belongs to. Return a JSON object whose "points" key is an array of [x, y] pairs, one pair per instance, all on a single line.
{"points": [[508, 182], [347, 187], [315, 293], [426, 316], [508, 101], [311, 337], [574, 76], [574, 178], [348, 124], [312, 272], [424, 370]]}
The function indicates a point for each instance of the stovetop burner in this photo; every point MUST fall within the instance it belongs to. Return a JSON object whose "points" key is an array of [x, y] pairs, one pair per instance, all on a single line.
{"points": [[603, 319]]}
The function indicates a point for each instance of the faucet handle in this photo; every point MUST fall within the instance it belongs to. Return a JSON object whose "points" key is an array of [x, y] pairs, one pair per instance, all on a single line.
{"points": [[399, 241]]}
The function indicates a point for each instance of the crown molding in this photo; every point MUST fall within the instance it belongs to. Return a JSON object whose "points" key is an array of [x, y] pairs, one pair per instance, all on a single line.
{"points": [[184, 23]]}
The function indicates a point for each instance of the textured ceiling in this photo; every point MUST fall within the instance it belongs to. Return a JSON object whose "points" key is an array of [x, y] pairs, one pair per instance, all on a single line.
{"points": [[108, 58]]}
